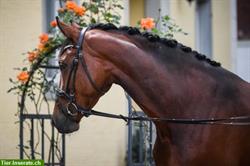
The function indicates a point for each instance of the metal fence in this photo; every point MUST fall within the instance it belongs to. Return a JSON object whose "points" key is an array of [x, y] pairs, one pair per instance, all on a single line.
{"points": [[140, 140], [37, 149], [38, 137]]}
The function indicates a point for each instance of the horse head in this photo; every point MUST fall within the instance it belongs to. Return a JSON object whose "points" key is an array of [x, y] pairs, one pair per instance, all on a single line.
{"points": [[84, 78]]}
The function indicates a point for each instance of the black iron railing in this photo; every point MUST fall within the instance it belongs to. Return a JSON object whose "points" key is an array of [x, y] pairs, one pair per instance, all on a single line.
{"points": [[140, 140], [38, 137], [42, 119]]}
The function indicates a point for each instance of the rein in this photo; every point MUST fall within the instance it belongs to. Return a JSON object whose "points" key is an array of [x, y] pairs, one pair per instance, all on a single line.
{"points": [[233, 121], [73, 109]]}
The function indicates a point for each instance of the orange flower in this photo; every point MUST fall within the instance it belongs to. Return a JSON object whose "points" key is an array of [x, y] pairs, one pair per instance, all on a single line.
{"points": [[41, 47], [147, 23], [53, 23], [23, 76], [44, 38], [79, 10], [32, 56], [71, 5], [60, 10]]}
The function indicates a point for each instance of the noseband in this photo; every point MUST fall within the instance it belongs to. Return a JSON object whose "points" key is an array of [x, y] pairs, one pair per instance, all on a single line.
{"points": [[72, 108]]}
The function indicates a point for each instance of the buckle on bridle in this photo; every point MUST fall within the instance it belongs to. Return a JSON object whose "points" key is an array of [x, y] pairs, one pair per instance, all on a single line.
{"points": [[72, 109], [75, 61], [59, 92]]}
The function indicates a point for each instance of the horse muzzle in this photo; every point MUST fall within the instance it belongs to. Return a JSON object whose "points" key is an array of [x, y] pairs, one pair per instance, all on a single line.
{"points": [[63, 123]]}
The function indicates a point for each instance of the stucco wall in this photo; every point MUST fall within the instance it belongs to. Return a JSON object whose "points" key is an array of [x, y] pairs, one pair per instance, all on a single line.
{"points": [[100, 141], [136, 11], [20, 24], [183, 13], [221, 32]]}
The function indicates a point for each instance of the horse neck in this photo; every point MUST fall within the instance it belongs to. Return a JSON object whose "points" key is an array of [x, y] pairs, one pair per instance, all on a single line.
{"points": [[155, 88], [146, 80], [161, 90]]}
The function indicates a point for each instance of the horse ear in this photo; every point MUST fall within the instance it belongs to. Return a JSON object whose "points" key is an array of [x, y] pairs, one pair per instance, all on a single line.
{"points": [[75, 25], [70, 31]]}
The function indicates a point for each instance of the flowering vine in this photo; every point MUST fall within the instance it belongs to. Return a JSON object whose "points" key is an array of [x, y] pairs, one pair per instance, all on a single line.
{"points": [[87, 13], [164, 26], [147, 23]]}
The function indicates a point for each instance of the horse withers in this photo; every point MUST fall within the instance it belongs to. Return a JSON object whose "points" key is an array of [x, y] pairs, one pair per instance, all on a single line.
{"points": [[167, 80]]}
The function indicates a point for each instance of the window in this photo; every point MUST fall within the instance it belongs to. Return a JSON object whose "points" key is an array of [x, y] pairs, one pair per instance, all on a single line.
{"points": [[156, 8], [243, 19], [52, 75], [50, 8], [243, 43], [203, 27]]}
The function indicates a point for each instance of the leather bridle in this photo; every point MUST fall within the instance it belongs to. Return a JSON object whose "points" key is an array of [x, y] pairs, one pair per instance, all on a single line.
{"points": [[72, 109]]}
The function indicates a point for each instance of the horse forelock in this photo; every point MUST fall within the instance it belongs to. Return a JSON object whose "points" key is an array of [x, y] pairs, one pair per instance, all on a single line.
{"points": [[133, 31]]}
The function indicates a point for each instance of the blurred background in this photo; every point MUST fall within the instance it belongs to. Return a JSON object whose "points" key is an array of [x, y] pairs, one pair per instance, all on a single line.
{"points": [[219, 29]]}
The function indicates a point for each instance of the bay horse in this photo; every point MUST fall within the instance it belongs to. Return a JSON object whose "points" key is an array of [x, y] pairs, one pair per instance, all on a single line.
{"points": [[167, 80]]}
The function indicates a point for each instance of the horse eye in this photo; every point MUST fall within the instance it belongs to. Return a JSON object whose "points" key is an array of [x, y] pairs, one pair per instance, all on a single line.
{"points": [[62, 65]]}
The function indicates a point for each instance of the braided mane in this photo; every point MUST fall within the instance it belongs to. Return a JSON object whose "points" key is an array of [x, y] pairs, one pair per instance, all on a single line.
{"points": [[154, 38]]}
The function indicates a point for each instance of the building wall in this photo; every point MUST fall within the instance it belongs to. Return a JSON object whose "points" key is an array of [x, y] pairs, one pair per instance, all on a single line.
{"points": [[100, 141], [179, 11], [183, 14], [137, 11], [20, 24], [221, 31]]}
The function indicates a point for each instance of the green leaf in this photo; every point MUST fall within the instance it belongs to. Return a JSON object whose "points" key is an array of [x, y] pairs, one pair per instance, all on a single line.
{"points": [[93, 9], [154, 30], [26, 147], [120, 6], [11, 89], [166, 18], [93, 21]]}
